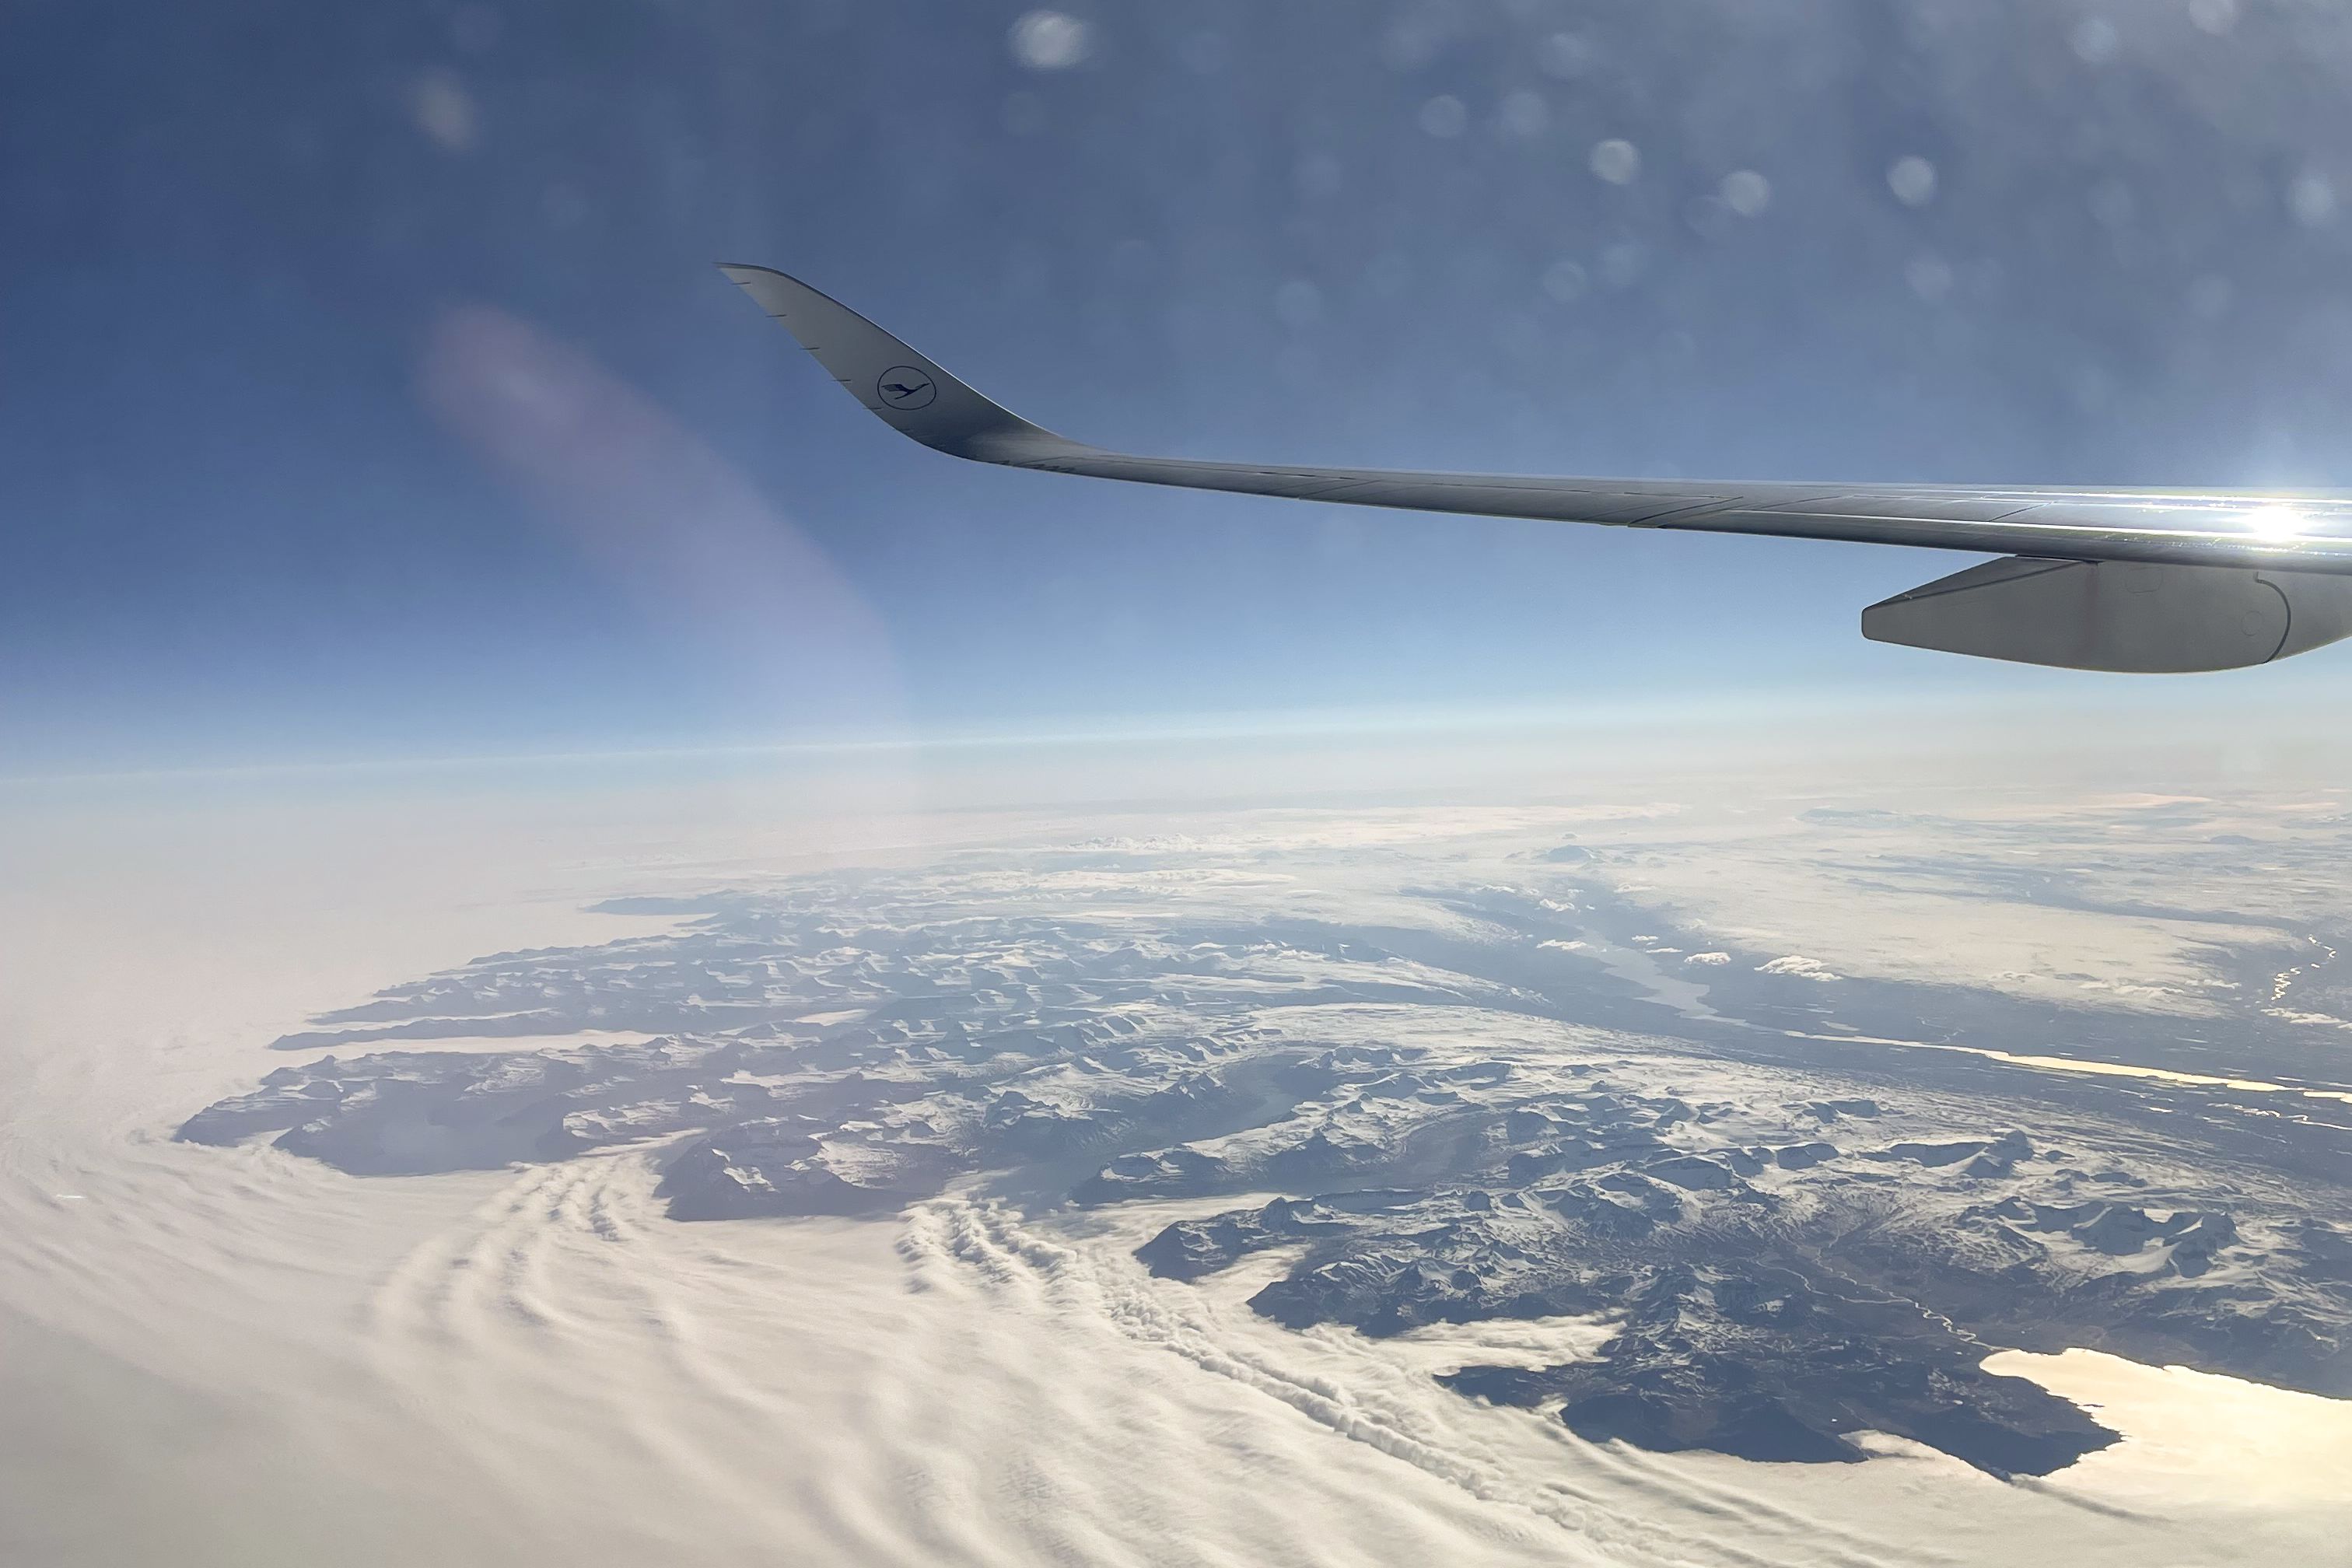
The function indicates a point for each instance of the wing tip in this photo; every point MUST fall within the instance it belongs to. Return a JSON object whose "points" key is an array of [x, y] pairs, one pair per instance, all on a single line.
{"points": [[936, 408]]}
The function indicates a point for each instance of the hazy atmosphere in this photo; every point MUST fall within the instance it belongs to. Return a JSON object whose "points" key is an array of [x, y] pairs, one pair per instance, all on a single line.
{"points": [[608, 962], [370, 391]]}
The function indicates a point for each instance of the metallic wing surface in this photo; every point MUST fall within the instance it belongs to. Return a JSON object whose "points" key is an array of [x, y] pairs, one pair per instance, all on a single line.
{"points": [[2127, 580]]}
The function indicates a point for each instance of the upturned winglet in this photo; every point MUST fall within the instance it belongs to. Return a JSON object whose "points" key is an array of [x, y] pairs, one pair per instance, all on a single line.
{"points": [[905, 389]]}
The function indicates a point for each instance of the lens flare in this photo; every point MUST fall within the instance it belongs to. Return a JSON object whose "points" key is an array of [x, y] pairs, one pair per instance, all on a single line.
{"points": [[2274, 522]]}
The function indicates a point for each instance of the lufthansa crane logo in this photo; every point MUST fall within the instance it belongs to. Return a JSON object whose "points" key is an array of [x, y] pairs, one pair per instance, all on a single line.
{"points": [[905, 388]]}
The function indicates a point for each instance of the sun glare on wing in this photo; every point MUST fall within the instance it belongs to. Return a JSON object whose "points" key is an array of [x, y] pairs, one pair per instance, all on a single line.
{"points": [[2275, 522]]}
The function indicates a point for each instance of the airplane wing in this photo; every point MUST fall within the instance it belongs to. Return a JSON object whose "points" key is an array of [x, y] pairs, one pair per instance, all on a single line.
{"points": [[2124, 579]]}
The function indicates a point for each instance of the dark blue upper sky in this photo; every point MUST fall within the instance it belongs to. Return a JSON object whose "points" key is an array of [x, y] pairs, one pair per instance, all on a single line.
{"points": [[365, 388]]}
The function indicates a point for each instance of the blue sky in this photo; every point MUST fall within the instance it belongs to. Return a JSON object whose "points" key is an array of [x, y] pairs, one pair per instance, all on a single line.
{"points": [[366, 390]]}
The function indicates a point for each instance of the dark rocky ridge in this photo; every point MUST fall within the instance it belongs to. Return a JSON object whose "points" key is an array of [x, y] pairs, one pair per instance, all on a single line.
{"points": [[1792, 1241]]}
